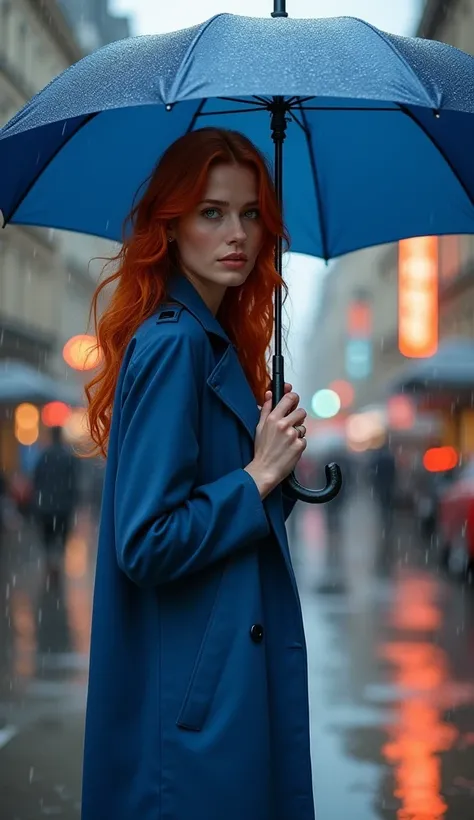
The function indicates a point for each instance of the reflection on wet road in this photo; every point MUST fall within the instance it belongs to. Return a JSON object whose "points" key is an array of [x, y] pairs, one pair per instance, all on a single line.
{"points": [[392, 680], [391, 655]]}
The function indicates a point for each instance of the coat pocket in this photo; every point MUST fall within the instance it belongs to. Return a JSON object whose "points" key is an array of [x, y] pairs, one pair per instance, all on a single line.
{"points": [[208, 666]]}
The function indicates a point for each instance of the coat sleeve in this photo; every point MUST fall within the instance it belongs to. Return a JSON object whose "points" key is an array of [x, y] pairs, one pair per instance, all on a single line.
{"points": [[167, 527]]}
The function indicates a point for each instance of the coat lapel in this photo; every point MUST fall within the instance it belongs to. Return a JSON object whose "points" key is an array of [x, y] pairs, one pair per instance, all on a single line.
{"points": [[229, 383], [227, 380]]}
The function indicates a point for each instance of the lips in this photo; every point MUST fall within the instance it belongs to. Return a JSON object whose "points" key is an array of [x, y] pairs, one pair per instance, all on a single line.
{"points": [[234, 257]]}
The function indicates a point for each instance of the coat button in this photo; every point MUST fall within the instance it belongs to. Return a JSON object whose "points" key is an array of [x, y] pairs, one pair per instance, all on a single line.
{"points": [[256, 633]]}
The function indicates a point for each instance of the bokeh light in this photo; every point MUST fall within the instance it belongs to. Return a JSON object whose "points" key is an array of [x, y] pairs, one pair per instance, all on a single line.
{"points": [[82, 352], [55, 414], [439, 459], [27, 424], [325, 404], [76, 427], [364, 430]]}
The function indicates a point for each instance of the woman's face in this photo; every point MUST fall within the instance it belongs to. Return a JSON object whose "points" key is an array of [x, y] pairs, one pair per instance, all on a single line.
{"points": [[218, 242]]}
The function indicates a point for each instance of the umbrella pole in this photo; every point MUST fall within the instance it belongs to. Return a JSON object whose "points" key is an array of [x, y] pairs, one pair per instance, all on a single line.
{"points": [[278, 126], [333, 473]]}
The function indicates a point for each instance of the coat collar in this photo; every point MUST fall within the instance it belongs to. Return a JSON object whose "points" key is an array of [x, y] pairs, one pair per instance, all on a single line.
{"points": [[227, 380], [181, 290]]}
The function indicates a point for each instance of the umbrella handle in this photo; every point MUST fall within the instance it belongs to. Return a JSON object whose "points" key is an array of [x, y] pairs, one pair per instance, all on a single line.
{"points": [[292, 486], [295, 490]]}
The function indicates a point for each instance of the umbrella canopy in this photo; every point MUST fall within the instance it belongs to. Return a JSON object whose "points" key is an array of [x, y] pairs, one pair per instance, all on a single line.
{"points": [[19, 382], [451, 367], [379, 128]]}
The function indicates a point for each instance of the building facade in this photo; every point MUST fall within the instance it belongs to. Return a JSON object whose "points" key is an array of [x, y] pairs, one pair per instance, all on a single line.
{"points": [[374, 272], [46, 279], [93, 23]]}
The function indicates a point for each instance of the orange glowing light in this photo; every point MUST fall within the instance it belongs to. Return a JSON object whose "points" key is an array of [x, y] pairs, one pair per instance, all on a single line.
{"points": [[55, 414], [82, 353], [439, 459], [344, 390], [418, 296]]}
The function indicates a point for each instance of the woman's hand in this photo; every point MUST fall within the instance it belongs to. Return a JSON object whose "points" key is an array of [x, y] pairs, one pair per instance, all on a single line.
{"points": [[268, 394], [278, 446]]}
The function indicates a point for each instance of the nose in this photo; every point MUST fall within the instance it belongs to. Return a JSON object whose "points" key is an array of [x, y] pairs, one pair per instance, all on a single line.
{"points": [[237, 233]]}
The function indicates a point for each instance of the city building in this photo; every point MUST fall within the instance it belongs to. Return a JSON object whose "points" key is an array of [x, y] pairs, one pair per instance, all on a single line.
{"points": [[94, 24], [372, 276], [46, 278]]}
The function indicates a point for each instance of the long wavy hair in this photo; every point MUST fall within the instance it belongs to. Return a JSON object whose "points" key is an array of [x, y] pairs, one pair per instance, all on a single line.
{"points": [[145, 261]]}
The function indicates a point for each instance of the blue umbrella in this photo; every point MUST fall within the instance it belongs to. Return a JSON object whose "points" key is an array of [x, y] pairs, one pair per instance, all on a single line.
{"points": [[21, 382], [378, 131]]}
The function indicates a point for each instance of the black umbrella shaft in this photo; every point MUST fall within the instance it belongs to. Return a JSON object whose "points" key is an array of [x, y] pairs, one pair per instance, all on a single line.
{"points": [[278, 126], [279, 244], [279, 8]]}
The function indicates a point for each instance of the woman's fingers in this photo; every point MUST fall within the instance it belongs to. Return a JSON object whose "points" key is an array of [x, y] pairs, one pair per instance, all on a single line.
{"points": [[266, 409], [288, 403], [294, 419], [288, 389]]}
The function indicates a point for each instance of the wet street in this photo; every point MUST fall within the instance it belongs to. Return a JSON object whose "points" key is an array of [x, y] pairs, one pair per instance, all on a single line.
{"points": [[391, 656]]}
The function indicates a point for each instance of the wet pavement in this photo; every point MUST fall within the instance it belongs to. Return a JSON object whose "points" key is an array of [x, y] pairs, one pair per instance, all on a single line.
{"points": [[391, 655], [44, 642], [391, 677]]}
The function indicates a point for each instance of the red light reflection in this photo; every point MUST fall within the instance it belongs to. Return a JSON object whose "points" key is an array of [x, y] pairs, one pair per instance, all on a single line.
{"points": [[419, 668]]}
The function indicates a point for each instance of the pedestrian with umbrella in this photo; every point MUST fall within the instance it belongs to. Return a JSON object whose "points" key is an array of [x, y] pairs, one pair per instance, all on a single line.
{"points": [[197, 703]]}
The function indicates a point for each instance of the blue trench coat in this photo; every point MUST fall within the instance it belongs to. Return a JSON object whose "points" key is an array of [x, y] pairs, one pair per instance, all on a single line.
{"points": [[198, 697]]}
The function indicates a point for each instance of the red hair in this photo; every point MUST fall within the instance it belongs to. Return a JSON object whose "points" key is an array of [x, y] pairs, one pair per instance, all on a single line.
{"points": [[175, 187]]}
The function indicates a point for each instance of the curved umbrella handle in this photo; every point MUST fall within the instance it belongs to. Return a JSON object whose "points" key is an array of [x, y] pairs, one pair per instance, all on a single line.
{"points": [[291, 485], [294, 489]]}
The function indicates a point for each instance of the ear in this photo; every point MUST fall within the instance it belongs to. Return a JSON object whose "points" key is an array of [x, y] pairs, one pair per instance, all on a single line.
{"points": [[171, 228]]}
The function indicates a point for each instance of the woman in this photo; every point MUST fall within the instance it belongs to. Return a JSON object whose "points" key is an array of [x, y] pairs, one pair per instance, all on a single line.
{"points": [[197, 704]]}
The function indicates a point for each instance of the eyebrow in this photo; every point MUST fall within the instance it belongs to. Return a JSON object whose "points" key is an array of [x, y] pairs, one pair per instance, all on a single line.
{"points": [[224, 203]]}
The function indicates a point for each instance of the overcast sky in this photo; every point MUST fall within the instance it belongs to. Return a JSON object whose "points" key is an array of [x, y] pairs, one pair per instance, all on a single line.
{"points": [[153, 16], [303, 274]]}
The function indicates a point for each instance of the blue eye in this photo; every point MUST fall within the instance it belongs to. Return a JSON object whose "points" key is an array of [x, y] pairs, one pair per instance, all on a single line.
{"points": [[209, 211], [254, 211]]}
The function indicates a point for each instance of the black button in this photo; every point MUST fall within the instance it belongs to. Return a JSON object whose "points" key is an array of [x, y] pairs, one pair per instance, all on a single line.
{"points": [[256, 633]]}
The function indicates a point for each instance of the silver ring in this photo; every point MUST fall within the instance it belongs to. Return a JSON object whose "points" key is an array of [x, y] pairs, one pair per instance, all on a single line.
{"points": [[301, 430]]}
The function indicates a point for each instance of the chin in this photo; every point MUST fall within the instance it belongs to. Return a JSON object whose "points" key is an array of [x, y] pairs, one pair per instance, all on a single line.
{"points": [[234, 278]]}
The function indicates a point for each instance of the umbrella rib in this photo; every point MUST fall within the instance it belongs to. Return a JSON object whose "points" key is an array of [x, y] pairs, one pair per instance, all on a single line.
{"points": [[296, 101], [295, 119], [196, 114], [314, 171], [232, 111], [241, 101], [51, 159], [441, 150], [348, 108]]}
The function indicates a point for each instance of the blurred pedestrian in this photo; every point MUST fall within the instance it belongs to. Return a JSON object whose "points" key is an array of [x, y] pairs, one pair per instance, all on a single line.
{"points": [[383, 475], [198, 696], [55, 488], [335, 508], [3, 503]]}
